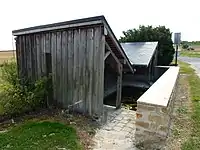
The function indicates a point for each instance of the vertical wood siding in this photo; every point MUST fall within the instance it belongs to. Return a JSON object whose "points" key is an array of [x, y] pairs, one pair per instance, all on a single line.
{"points": [[77, 65]]}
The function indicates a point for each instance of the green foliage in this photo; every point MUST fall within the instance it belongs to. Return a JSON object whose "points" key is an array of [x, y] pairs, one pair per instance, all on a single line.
{"points": [[148, 34], [40, 136], [16, 98], [185, 46], [9, 72], [182, 110], [185, 68], [191, 43]]}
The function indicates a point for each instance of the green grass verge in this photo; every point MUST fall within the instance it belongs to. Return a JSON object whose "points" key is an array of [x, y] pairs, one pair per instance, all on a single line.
{"points": [[40, 136], [193, 141], [185, 68], [190, 54]]}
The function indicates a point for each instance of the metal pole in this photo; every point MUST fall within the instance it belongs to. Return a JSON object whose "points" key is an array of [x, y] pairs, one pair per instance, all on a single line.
{"points": [[176, 55]]}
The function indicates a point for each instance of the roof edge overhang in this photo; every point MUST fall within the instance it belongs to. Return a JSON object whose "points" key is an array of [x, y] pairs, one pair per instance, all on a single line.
{"points": [[116, 42], [60, 25]]}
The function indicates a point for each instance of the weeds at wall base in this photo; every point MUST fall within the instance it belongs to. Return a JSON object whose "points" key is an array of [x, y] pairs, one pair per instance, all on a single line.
{"points": [[17, 98]]}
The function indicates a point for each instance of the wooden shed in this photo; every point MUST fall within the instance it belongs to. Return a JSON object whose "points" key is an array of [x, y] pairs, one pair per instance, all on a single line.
{"points": [[83, 56]]}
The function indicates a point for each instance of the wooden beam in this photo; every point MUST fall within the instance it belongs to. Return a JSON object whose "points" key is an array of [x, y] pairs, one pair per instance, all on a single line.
{"points": [[118, 46], [56, 27], [119, 86], [107, 54], [115, 57], [123, 61]]}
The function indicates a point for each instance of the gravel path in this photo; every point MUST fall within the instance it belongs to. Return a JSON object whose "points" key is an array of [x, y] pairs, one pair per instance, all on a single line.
{"points": [[118, 133]]}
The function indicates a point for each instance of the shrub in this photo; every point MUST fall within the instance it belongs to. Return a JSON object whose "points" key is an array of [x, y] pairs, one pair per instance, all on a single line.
{"points": [[185, 46], [16, 98]]}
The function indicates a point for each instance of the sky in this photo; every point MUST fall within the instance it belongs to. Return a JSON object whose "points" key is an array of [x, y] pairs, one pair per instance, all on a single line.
{"points": [[178, 15]]}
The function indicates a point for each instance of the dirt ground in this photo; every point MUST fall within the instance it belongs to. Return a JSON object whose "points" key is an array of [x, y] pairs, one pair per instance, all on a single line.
{"points": [[181, 120], [196, 47], [6, 55]]}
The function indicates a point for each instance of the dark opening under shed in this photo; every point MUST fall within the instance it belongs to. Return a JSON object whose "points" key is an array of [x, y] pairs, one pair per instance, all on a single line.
{"points": [[84, 57]]}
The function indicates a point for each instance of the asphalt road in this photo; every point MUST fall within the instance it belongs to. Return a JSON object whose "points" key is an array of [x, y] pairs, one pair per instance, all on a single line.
{"points": [[191, 60]]}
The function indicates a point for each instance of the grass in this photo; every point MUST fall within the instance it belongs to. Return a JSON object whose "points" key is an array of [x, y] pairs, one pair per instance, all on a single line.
{"points": [[190, 53], [193, 140], [40, 136], [185, 68]]}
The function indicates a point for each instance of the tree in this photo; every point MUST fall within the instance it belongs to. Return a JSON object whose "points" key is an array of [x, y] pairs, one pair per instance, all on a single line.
{"points": [[149, 34], [185, 46]]}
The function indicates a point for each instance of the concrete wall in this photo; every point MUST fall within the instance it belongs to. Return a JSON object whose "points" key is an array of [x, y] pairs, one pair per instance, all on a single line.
{"points": [[154, 108]]}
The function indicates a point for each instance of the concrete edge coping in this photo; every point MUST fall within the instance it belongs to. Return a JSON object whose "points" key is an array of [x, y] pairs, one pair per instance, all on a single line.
{"points": [[160, 92]]}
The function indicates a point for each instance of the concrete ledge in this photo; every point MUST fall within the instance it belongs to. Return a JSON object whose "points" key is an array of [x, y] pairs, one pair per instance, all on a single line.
{"points": [[159, 93], [154, 108]]}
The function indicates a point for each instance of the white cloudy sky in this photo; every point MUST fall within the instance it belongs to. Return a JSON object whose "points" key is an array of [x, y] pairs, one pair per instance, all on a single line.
{"points": [[178, 15]]}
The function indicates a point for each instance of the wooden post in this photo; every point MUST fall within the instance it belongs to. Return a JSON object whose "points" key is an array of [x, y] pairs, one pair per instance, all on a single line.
{"points": [[119, 86], [149, 71], [119, 78]]}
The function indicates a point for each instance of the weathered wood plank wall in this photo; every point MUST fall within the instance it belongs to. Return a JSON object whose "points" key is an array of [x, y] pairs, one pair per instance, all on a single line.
{"points": [[77, 57]]}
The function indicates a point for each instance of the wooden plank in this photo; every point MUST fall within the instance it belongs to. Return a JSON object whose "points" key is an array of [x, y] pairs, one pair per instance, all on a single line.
{"points": [[115, 57], [66, 71], [42, 52], [107, 54], [24, 62], [83, 66], [64, 74], [38, 55], [47, 43], [28, 57], [75, 66], [53, 52], [79, 71], [100, 61], [85, 71], [33, 57], [61, 87], [119, 86], [58, 68], [72, 67], [95, 70], [77, 49], [69, 66], [90, 42], [101, 74]]}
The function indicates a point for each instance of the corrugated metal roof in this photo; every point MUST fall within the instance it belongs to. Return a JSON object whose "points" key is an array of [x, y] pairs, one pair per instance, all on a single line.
{"points": [[139, 53]]}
